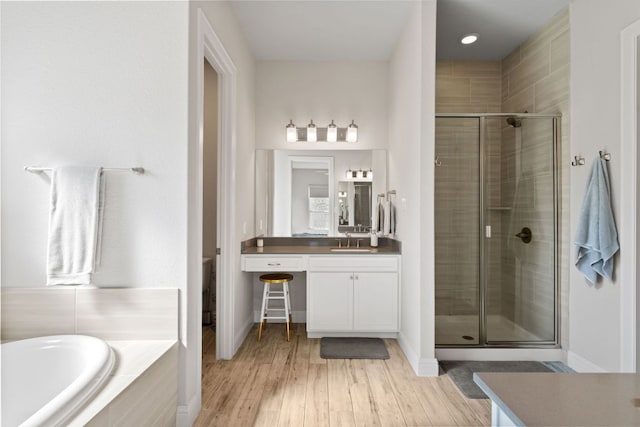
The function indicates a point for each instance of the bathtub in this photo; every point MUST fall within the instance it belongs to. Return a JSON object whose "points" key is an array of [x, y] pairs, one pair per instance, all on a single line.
{"points": [[46, 379]]}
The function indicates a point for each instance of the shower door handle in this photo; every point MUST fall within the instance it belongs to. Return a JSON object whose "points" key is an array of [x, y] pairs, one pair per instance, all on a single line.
{"points": [[525, 235]]}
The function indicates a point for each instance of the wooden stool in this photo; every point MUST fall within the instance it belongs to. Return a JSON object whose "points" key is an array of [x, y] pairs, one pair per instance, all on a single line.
{"points": [[269, 295]]}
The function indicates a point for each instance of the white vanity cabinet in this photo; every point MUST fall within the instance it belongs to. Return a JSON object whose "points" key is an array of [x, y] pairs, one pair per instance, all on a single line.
{"points": [[352, 295]]}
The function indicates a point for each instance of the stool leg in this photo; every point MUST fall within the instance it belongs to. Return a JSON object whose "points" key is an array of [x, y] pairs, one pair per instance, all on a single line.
{"points": [[265, 293], [287, 308]]}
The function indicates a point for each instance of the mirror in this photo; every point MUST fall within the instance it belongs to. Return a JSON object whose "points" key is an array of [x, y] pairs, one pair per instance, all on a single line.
{"points": [[354, 206], [298, 192]]}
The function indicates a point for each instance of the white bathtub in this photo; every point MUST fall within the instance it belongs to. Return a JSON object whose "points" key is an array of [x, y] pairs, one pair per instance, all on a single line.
{"points": [[46, 379]]}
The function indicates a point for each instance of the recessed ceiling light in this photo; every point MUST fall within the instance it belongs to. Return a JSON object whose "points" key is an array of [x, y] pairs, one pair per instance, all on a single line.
{"points": [[469, 38]]}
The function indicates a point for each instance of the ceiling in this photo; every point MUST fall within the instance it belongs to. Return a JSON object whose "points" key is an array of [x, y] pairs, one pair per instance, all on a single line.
{"points": [[309, 30], [368, 30], [502, 25]]}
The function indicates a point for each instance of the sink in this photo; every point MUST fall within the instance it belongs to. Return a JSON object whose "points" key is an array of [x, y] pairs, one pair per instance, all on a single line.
{"points": [[350, 250]]}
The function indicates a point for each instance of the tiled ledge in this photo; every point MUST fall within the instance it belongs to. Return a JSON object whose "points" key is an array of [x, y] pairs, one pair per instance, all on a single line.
{"points": [[107, 313], [141, 390]]}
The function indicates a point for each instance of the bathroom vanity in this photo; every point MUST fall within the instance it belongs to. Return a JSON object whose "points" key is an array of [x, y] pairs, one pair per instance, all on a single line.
{"points": [[350, 291]]}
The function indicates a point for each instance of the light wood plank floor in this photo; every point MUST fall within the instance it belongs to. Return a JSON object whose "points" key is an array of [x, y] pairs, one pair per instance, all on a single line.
{"points": [[280, 383]]}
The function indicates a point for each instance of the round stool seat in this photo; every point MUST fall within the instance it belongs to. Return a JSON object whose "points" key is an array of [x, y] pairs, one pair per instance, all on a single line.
{"points": [[276, 278]]}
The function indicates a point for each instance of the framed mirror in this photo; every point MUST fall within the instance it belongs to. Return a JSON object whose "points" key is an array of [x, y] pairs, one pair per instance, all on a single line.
{"points": [[298, 191]]}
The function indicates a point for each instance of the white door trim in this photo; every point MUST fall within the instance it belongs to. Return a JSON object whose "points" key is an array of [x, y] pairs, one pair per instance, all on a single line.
{"points": [[628, 187], [210, 47]]}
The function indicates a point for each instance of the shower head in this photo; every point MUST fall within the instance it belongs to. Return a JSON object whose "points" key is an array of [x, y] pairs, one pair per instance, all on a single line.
{"points": [[513, 122]]}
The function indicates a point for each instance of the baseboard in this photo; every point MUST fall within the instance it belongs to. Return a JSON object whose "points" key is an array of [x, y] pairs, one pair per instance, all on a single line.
{"points": [[580, 364], [320, 334], [187, 414], [422, 367], [428, 368], [241, 335], [296, 316], [412, 356], [535, 354]]}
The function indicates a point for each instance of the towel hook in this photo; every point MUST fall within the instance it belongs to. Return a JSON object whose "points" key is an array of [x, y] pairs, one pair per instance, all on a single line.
{"points": [[578, 160], [437, 161], [604, 155]]}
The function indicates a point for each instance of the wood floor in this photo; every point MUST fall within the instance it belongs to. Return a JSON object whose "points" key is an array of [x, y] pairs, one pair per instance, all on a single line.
{"points": [[279, 383]]}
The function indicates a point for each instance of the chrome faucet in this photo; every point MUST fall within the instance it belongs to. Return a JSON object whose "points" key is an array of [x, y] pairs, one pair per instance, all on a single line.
{"points": [[348, 238]]}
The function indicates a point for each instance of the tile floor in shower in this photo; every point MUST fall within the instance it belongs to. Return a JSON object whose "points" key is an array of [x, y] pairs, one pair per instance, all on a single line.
{"points": [[450, 330]]}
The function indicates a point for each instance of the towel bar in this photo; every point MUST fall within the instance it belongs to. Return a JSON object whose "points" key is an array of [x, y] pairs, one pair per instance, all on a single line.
{"points": [[136, 170]]}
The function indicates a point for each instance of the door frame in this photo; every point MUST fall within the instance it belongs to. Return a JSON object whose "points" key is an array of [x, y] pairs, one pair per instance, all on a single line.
{"points": [[210, 48], [630, 42]]}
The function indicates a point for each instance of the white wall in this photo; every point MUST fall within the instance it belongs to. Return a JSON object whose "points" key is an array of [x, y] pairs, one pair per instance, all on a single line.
{"points": [[96, 84], [322, 91], [411, 141], [595, 125]]}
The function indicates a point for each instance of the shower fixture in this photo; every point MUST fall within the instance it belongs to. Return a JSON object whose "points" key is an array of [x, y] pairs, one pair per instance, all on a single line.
{"points": [[513, 122]]}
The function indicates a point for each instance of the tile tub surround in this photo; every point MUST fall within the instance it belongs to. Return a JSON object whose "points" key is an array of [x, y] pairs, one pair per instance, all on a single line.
{"points": [[141, 326], [110, 314], [141, 390]]}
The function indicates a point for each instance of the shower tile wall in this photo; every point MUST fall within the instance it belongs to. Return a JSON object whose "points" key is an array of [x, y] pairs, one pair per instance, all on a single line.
{"points": [[533, 78], [464, 87]]}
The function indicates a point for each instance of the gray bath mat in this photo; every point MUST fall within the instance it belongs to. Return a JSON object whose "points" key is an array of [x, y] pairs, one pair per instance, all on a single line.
{"points": [[461, 372], [353, 348]]}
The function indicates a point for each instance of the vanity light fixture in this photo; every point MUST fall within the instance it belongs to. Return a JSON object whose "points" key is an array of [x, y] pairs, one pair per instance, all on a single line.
{"points": [[312, 133], [469, 38], [331, 133], [292, 132], [359, 175], [352, 132]]}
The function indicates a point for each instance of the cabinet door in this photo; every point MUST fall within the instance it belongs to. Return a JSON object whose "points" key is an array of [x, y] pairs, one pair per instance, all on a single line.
{"points": [[330, 301], [376, 301]]}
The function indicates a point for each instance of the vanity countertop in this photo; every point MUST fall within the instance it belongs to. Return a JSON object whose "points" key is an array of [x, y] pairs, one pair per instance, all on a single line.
{"points": [[320, 250], [319, 246], [565, 399]]}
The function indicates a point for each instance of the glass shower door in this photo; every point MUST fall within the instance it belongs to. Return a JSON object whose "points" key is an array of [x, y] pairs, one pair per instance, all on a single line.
{"points": [[520, 211], [457, 231]]}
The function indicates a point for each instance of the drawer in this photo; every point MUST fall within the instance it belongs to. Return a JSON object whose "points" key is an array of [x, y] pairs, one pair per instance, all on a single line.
{"points": [[353, 263], [273, 263]]}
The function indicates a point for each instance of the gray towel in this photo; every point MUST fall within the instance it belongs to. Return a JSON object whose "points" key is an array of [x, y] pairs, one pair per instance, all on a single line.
{"points": [[596, 238], [379, 220]]}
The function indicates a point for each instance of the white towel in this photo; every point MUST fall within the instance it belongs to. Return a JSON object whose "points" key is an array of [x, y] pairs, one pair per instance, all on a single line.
{"points": [[73, 225], [596, 238]]}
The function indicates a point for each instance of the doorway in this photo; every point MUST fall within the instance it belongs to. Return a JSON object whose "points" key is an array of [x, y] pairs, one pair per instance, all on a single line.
{"points": [[210, 233]]}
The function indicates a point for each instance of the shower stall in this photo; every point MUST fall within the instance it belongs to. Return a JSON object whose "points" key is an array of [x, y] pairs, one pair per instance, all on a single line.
{"points": [[496, 230]]}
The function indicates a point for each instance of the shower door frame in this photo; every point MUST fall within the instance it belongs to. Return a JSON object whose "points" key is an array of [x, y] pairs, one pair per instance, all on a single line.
{"points": [[482, 272]]}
